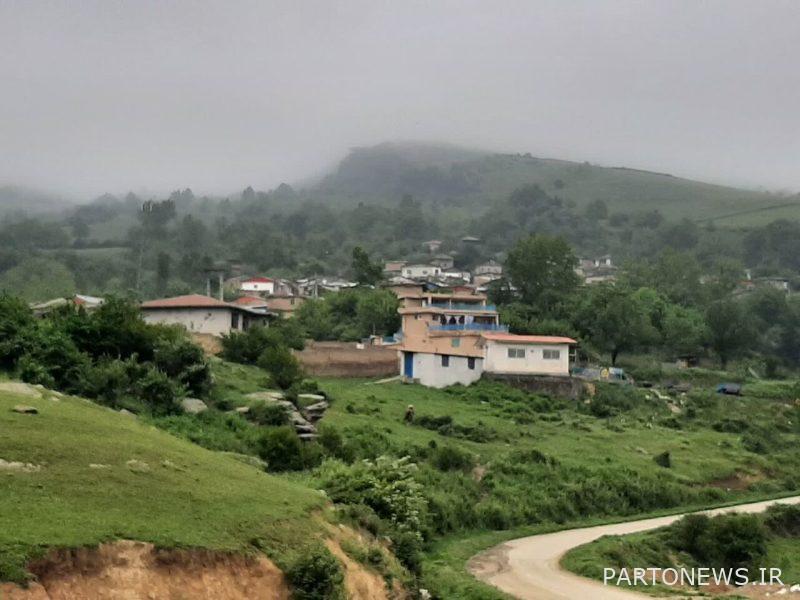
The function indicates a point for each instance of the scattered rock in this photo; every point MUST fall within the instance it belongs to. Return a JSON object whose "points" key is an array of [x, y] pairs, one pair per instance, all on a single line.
{"points": [[138, 466], [25, 409], [20, 467], [19, 388], [99, 466], [193, 406]]}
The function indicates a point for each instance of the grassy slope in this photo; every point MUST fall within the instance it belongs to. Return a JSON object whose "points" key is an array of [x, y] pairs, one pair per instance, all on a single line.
{"points": [[190, 496]]}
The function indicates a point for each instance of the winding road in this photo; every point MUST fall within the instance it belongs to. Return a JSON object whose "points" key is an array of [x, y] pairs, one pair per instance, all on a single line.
{"points": [[528, 568]]}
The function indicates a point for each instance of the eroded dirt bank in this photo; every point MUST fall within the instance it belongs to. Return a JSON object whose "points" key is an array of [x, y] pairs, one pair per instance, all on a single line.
{"points": [[127, 570]]}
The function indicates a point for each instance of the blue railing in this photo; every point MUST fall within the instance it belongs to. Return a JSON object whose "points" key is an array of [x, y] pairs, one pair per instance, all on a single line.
{"points": [[463, 306], [469, 327]]}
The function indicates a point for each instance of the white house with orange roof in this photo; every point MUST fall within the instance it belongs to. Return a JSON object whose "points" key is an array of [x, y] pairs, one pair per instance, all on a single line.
{"points": [[260, 285]]}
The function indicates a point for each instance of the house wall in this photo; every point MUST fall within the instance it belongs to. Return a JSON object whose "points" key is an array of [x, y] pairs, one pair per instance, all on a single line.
{"points": [[422, 271], [497, 360], [213, 321], [428, 369], [267, 287]]}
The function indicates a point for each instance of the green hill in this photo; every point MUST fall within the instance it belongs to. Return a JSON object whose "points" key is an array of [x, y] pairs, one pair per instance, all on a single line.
{"points": [[89, 474], [463, 177]]}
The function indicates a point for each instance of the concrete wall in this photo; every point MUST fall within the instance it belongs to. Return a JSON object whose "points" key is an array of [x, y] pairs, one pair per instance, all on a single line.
{"points": [[345, 359], [212, 321], [497, 360], [428, 369]]}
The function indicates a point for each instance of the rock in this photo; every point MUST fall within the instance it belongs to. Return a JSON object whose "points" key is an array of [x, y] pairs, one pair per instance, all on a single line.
{"points": [[193, 406], [25, 409], [311, 397], [307, 437], [171, 465], [138, 466], [20, 467], [99, 466], [242, 410], [126, 412], [20, 389], [318, 407], [266, 396]]}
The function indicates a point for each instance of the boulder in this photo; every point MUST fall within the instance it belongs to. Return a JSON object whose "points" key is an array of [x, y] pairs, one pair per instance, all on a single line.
{"points": [[242, 410], [311, 397], [193, 406], [25, 409], [266, 396], [138, 466]]}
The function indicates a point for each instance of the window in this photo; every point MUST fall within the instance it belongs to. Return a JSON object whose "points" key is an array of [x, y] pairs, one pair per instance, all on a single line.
{"points": [[455, 342], [235, 320], [471, 363], [516, 353], [445, 360], [551, 354]]}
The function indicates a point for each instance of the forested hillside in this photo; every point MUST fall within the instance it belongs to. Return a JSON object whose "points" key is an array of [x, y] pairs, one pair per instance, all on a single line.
{"points": [[389, 199]]}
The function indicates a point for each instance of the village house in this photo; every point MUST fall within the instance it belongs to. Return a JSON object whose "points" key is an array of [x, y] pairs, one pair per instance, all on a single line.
{"points": [[87, 303], [432, 245], [452, 339], [421, 271], [443, 261], [490, 268], [597, 270], [260, 285], [393, 268], [202, 314]]}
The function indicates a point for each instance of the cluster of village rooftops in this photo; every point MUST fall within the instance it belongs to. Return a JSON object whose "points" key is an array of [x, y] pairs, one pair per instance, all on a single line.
{"points": [[450, 333]]}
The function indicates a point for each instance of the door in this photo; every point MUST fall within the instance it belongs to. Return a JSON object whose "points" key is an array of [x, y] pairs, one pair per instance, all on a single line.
{"points": [[408, 364]]}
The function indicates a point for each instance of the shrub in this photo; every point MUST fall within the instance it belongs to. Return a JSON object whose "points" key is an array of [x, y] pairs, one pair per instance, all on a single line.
{"points": [[184, 361], [282, 449], [333, 443], [268, 413], [611, 399], [283, 367], [159, 392], [451, 458], [316, 575], [663, 460]]}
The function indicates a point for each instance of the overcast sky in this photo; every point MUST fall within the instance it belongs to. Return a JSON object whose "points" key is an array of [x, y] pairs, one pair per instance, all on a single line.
{"points": [[110, 96]]}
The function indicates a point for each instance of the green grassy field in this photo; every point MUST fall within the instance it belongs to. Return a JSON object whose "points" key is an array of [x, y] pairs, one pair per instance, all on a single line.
{"points": [[176, 494]]}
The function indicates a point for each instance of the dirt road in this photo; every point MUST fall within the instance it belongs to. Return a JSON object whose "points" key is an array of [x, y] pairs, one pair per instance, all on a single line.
{"points": [[528, 568]]}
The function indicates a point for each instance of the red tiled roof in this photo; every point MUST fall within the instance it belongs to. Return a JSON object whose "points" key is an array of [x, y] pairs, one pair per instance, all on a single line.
{"points": [[250, 301], [512, 338], [258, 280], [188, 301]]}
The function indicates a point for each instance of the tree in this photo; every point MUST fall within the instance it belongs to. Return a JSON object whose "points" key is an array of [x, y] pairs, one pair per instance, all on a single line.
{"points": [[38, 279], [684, 330], [281, 364], [376, 312], [542, 268], [365, 271], [614, 319], [162, 273], [729, 329]]}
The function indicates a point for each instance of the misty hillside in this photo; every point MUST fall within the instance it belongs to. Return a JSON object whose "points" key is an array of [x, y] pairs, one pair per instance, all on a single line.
{"points": [[462, 177], [19, 199]]}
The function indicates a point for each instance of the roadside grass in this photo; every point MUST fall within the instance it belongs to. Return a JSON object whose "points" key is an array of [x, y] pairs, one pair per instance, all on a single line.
{"points": [[177, 494]]}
